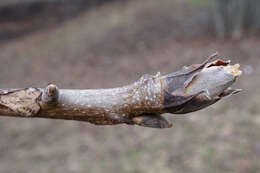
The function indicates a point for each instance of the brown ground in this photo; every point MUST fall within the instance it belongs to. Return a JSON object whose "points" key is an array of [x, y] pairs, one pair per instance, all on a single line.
{"points": [[113, 45]]}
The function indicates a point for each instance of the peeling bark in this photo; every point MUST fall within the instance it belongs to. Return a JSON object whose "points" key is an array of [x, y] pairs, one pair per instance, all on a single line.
{"points": [[140, 103]]}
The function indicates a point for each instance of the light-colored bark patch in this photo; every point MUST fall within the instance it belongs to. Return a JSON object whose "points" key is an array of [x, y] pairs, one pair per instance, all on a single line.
{"points": [[22, 101]]}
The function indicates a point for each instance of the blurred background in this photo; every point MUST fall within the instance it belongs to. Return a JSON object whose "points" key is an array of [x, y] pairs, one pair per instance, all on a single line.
{"points": [[109, 43]]}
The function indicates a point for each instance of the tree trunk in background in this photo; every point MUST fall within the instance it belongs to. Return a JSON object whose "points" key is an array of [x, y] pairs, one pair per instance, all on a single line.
{"points": [[254, 14], [232, 17]]}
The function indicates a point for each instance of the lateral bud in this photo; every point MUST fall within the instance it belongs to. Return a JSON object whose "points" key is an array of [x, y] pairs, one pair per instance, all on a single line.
{"points": [[50, 95]]}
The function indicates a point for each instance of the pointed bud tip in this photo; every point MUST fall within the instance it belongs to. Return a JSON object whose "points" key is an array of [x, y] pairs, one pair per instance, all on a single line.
{"points": [[234, 69]]}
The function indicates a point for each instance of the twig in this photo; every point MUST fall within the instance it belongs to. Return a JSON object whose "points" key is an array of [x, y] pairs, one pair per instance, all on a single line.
{"points": [[140, 103]]}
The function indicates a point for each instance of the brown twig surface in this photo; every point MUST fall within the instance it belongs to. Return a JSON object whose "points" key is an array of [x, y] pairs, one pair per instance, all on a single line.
{"points": [[140, 103]]}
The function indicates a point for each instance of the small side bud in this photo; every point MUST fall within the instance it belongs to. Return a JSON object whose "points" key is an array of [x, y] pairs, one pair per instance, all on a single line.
{"points": [[153, 121], [50, 94]]}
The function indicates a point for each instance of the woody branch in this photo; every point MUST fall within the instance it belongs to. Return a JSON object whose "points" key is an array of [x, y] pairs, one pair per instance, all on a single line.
{"points": [[140, 103]]}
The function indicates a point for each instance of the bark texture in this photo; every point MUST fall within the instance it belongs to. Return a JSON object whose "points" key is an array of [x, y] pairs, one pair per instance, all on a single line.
{"points": [[140, 103]]}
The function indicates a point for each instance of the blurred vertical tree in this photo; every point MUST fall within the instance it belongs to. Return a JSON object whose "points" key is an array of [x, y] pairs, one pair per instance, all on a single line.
{"points": [[232, 17]]}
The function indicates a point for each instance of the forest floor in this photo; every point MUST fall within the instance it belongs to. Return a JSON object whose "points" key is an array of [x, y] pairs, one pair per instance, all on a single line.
{"points": [[111, 45]]}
